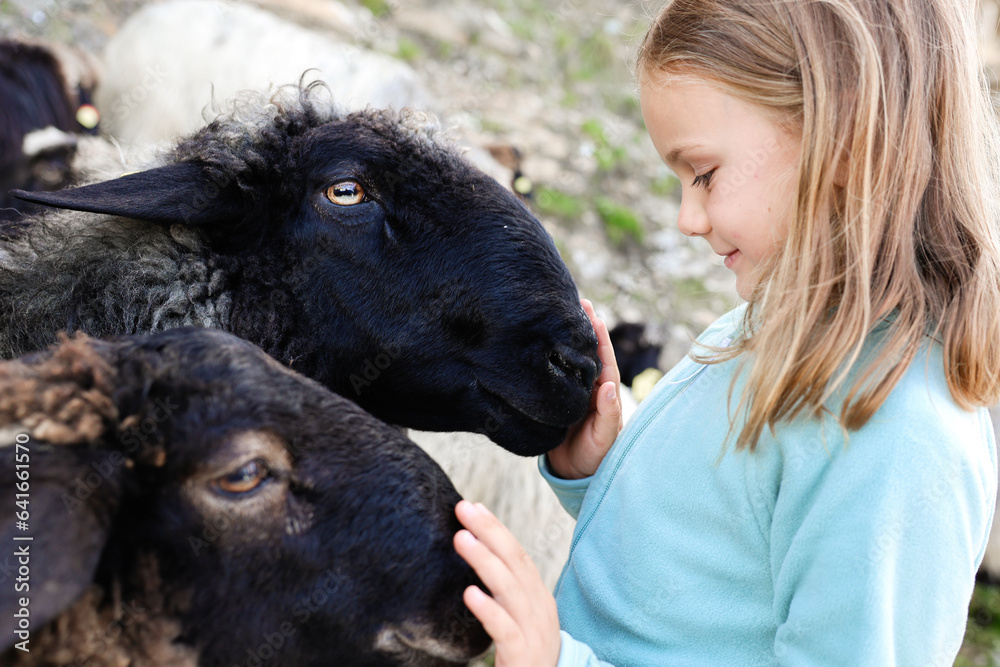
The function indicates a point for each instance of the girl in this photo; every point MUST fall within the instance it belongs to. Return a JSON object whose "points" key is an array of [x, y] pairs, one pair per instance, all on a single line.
{"points": [[815, 485]]}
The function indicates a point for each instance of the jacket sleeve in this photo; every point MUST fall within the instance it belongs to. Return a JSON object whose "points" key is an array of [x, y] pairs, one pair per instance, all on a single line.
{"points": [[876, 541], [577, 654], [570, 492]]}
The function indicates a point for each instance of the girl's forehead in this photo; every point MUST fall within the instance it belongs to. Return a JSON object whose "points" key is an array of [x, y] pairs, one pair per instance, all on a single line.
{"points": [[685, 101]]}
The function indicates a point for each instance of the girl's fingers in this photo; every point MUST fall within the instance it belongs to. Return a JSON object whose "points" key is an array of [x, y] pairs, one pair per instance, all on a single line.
{"points": [[606, 353], [521, 615], [494, 535], [498, 623], [607, 422], [508, 577], [490, 567]]}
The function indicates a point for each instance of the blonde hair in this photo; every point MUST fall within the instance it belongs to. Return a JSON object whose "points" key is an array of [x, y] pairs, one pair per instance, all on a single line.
{"points": [[896, 207]]}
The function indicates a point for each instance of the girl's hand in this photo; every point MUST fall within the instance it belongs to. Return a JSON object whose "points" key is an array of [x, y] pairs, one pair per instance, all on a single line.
{"points": [[521, 615], [587, 443]]}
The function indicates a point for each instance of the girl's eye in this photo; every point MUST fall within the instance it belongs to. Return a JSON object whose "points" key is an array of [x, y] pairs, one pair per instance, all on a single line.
{"points": [[246, 478], [346, 193], [704, 180]]}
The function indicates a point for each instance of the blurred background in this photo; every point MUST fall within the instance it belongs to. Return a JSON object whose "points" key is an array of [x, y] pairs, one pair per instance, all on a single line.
{"points": [[546, 84], [540, 92]]}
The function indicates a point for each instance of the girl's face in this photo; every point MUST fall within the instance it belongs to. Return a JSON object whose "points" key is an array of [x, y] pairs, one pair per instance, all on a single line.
{"points": [[738, 168]]}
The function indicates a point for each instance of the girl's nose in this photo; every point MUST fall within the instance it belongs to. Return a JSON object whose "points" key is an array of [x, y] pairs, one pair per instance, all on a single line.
{"points": [[691, 219]]}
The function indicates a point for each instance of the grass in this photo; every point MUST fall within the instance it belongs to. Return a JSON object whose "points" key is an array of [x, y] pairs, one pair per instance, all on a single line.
{"points": [[607, 155], [665, 186], [981, 647], [408, 50], [378, 8], [620, 222], [559, 204]]}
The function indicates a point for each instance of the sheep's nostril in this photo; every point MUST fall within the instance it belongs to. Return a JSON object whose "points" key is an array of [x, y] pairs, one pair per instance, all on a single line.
{"points": [[567, 364]]}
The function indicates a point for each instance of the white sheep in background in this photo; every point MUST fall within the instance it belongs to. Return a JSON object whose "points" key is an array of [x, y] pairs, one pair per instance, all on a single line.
{"points": [[171, 61]]}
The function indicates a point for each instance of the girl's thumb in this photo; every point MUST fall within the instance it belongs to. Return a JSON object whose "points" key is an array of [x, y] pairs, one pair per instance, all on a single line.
{"points": [[608, 421]]}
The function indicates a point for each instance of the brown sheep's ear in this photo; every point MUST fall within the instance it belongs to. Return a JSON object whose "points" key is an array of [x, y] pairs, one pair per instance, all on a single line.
{"points": [[61, 396], [54, 543], [181, 192]]}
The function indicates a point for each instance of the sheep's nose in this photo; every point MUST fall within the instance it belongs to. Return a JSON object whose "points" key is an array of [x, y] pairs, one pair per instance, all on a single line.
{"points": [[565, 362]]}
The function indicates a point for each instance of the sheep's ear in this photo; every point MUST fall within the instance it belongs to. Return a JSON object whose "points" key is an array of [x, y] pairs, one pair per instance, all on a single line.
{"points": [[181, 192], [61, 484], [67, 497]]}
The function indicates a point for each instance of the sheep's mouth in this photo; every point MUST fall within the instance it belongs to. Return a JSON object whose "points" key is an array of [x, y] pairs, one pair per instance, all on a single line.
{"points": [[415, 645], [476, 409], [549, 416], [516, 428]]}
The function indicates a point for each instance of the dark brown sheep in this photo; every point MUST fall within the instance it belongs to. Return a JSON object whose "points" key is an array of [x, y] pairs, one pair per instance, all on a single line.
{"points": [[190, 501]]}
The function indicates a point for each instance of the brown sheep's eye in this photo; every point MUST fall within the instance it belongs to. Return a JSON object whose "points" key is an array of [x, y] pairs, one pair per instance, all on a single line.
{"points": [[346, 193], [247, 478]]}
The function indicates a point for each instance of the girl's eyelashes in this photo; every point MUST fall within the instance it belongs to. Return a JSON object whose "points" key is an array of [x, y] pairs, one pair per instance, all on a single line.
{"points": [[703, 180]]}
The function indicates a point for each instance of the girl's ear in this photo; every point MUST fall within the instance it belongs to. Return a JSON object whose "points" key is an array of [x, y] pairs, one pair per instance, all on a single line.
{"points": [[182, 192]]}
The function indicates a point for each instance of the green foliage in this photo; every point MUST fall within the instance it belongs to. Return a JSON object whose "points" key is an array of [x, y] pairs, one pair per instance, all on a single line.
{"points": [[691, 288], [445, 50], [608, 156], [378, 8], [570, 99], [619, 221], [593, 129], [595, 56], [559, 204], [407, 50], [493, 125], [625, 105], [523, 27], [981, 647], [665, 186]]}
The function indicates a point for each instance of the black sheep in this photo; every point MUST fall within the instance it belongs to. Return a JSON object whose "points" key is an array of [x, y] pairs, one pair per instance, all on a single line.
{"points": [[39, 95], [633, 352], [359, 249], [188, 501]]}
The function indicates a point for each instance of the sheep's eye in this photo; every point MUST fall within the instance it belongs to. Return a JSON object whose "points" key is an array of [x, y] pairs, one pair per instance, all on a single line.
{"points": [[346, 193], [247, 478]]}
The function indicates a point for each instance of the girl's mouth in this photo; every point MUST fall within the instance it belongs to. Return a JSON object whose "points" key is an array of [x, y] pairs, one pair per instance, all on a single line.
{"points": [[731, 258]]}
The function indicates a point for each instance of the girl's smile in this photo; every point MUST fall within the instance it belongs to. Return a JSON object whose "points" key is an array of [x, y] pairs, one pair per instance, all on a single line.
{"points": [[738, 168]]}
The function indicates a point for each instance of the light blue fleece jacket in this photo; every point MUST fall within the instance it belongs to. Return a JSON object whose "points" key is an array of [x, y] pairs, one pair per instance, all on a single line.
{"points": [[806, 552]]}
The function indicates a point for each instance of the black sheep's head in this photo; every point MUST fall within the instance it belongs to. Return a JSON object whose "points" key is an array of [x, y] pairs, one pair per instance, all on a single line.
{"points": [[371, 256], [233, 507]]}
